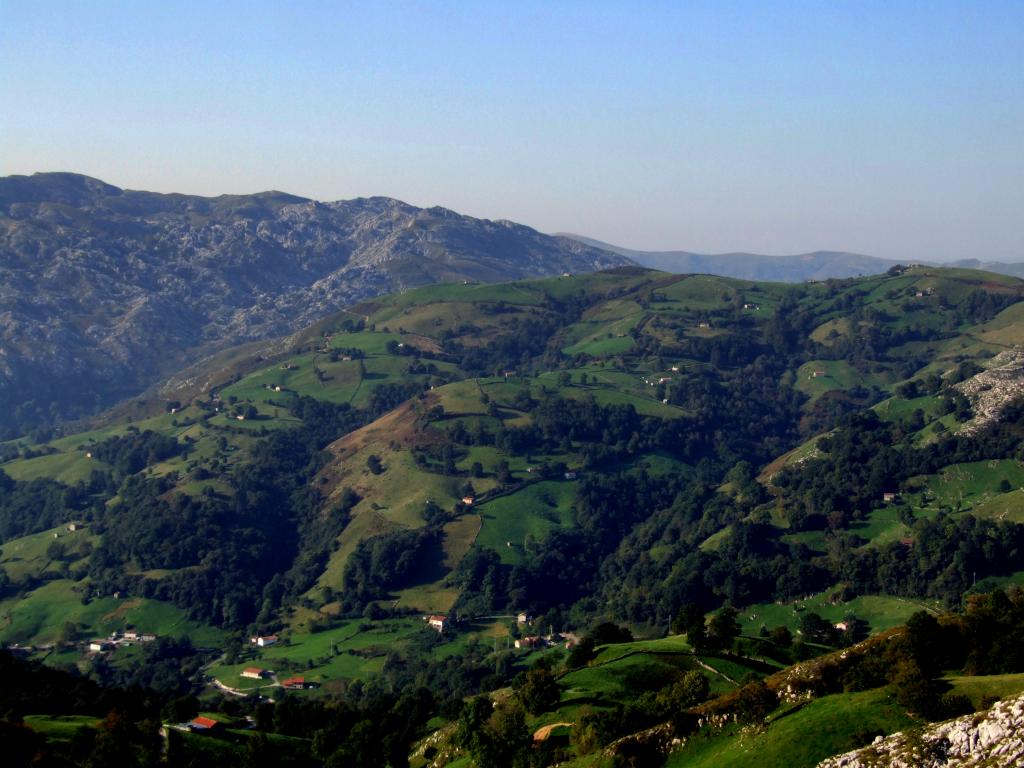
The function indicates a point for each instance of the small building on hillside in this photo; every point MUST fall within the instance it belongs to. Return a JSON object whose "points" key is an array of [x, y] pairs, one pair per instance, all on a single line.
{"points": [[440, 623], [131, 635], [817, 374], [890, 497], [263, 641], [295, 684], [531, 641], [468, 500], [99, 646], [524, 618], [254, 673], [570, 475], [203, 724]]}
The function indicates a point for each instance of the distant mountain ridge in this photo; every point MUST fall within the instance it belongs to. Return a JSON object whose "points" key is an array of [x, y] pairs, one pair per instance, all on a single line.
{"points": [[817, 265], [102, 290]]}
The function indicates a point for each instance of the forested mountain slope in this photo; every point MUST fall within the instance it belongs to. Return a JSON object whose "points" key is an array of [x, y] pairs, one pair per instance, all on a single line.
{"points": [[102, 290], [564, 444]]}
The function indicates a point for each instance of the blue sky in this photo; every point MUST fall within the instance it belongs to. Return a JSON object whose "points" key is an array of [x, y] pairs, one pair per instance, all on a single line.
{"points": [[895, 129]]}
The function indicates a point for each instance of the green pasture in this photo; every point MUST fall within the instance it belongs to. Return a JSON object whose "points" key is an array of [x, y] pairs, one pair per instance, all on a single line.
{"points": [[880, 611], [26, 557], [529, 512], [622, 679], [796, 736], [977, 484], [882, 526], [40, 617], [981, 687], [60, 727]]}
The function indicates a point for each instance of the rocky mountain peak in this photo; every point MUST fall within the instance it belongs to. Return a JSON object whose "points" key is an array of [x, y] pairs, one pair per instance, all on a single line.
{"points": [[103, 290]]}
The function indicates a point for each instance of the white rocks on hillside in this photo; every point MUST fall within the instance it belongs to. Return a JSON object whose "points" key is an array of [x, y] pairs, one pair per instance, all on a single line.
{"points": [[992, 738], [993, 389]]}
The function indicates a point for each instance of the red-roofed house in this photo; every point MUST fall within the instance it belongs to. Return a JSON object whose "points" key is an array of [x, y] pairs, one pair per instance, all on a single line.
{"points": [[294, 683], [437, 622], [254, 673], [203, 724]]}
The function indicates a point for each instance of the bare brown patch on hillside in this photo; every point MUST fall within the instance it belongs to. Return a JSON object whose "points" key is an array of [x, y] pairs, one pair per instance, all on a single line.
{"points": [[122, 610], [398, 425]]}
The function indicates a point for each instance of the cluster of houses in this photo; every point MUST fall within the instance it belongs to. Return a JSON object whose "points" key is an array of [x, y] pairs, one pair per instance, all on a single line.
{"points": [[297, 684], [535, 642], [128, 637], [291, 683]]}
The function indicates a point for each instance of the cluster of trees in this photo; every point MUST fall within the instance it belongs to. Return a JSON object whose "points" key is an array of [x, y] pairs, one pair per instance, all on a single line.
{"points": [[387, 562], [35, 505], [134, 451], [525, 340]]}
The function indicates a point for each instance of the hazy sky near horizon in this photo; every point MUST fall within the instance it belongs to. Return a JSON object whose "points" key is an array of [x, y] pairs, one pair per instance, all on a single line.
{"points": [[890, 128]]}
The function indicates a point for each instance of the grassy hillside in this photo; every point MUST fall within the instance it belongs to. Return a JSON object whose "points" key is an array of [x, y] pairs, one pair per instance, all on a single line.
{"points": [[799, 735], [493, 420]]}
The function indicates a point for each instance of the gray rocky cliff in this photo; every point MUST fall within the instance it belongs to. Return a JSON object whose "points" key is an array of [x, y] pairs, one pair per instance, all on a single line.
{"points": [[104, 290]]}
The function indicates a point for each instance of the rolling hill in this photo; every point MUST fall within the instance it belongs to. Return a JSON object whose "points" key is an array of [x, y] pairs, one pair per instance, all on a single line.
{"points": [[527, 397], [821, 462], [817, 265]]}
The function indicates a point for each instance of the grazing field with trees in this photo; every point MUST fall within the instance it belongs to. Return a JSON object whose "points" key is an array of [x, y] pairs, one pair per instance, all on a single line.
{"points": [[607, 503]]}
